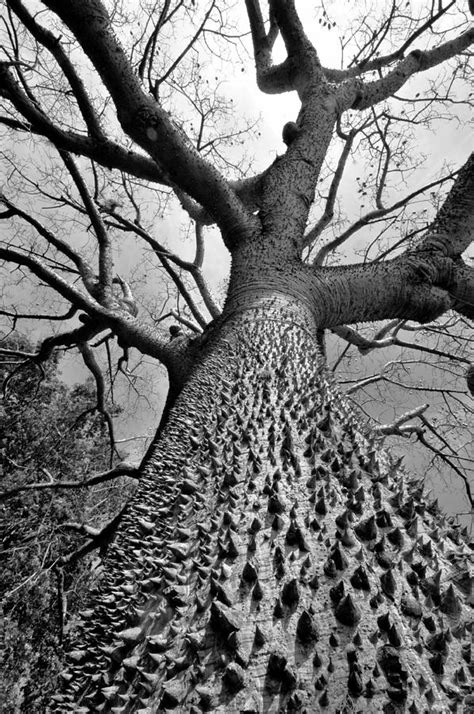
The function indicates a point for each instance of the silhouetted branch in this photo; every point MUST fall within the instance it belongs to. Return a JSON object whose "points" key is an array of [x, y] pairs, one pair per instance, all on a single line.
{"points": [[122, 469]]}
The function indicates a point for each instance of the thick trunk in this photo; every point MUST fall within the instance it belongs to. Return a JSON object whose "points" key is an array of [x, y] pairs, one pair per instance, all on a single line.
{"points": [[271, 560]]}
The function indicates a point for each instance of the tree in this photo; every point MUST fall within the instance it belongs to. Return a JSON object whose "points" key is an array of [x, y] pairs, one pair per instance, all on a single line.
{"points": [[46, 430], [272, 558]]}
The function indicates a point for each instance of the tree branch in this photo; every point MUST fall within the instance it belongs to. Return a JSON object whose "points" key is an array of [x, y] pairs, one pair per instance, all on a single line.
{"points": [[122, 469], [374, 65], [270, 79], [371, 217], [363, 95], [103, 291], [85, 270], [144, 120], [54, 46]]}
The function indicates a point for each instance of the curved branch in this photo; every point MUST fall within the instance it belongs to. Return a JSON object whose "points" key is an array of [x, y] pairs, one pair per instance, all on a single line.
{"points": [[270, 79]]}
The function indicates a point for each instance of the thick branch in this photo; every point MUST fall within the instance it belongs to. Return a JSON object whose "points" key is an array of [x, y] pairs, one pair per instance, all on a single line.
{"points": [[406, 288], [451, 233], [107, 152], [365, 95], [270, 79], [147, 123], [53, 44]]}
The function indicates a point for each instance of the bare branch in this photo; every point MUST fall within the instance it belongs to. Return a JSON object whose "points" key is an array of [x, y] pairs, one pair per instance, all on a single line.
{"points": [[122, 469], [85, 270], [328, 214], [146, 122], [370, 65], [395, 428], [367, 94], [53, 44], [371, 217], [103, 292]]}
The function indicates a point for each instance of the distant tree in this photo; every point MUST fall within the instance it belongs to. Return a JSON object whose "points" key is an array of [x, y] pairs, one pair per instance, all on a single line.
{"points": [[47, 429], [272, 558]]}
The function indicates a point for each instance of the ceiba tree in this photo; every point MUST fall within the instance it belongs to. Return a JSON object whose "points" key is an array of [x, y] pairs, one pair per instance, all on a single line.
{"points": [[272, 558]]}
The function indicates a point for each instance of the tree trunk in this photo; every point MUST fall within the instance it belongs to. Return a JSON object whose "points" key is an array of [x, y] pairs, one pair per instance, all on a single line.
{"points": [[272, 559]]}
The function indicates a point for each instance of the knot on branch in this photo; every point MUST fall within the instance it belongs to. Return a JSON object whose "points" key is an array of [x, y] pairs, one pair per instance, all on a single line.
{"points": [[290, 132], [420, 58], [432, 270]]}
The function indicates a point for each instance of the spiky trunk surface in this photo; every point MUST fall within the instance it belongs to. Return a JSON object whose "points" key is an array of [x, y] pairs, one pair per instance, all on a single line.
{"points": [[271, 560]]}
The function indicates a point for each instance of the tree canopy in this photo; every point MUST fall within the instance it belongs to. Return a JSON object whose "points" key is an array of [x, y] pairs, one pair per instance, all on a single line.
{"points": [[124, 125]]}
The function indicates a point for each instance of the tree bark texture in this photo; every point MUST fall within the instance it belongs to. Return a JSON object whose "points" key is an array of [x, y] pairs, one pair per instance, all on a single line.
{"points": [[272, 559]]}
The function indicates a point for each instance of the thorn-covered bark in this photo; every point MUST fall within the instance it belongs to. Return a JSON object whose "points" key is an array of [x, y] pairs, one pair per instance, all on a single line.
{"points": [[272, 558]]}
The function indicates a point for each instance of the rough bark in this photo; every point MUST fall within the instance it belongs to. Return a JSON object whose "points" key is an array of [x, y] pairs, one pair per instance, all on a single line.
{"points": [[272, 559]]}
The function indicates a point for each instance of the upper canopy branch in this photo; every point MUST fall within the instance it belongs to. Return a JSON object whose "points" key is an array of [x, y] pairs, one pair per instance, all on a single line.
{"points": [[376, 63], [107, 152], [291, 28], [54, 46], [288, 75], [145, 121], [357, 94]]}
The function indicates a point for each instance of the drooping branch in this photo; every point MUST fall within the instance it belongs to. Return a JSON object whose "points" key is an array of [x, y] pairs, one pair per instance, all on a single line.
{"points": [[365, 345], [15, 316], [44, 273]]}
